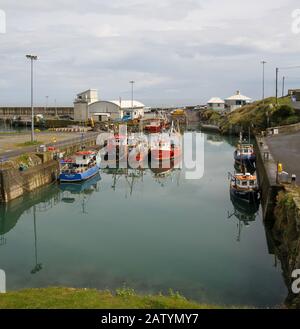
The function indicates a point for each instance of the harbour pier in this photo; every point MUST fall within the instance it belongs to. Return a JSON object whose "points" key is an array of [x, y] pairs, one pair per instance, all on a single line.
{"points": [[15, 183]]}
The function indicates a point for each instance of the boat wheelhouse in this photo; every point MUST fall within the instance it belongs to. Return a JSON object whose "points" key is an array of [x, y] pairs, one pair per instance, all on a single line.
{"points": [[245, 154]]}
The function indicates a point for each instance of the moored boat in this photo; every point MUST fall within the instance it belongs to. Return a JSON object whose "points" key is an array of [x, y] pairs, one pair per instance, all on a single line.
{"points": [[153, 127], [82, 166], [245, 154], [244, 187]]}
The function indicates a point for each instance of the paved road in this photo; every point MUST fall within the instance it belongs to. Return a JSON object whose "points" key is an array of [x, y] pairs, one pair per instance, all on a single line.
{"points": [[285, 148], [69, 141]]}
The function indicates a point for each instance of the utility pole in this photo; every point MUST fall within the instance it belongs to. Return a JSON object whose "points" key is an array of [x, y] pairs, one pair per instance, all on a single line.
{"points": [[277, 71], [55, 108], [32, 58], [263, 80], [132, 84], [283, 86]]}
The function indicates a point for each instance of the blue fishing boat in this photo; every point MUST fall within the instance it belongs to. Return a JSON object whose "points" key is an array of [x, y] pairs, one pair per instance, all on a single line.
{"points": [[84, 165], [245, 154]]}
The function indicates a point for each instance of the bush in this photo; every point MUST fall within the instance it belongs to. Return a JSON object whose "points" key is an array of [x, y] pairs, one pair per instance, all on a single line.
{"points": [[283, 112]]}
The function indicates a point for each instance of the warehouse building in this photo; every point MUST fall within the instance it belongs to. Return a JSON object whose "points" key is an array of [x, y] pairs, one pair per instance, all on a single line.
{"points": [[88, 106]]}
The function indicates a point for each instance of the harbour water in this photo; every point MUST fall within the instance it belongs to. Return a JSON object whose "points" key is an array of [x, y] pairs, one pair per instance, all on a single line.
{"points": [[149, 232]]}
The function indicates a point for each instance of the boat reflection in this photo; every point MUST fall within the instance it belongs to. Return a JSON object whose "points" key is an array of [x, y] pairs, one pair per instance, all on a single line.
{"points": [[245, 213], [74, 192]]}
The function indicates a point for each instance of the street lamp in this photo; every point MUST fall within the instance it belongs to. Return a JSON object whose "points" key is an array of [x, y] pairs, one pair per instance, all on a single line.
{"points": [[132, 83], [32, 58], [263, 81]]}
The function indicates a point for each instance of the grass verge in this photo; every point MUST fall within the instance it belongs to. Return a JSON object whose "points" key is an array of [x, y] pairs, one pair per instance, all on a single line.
{"points": [[67, 298]]}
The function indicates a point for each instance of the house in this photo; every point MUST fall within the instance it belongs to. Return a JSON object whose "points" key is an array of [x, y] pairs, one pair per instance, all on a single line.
{"points": [[216, 104], [295, 97], [87, 106], [237, 101]]}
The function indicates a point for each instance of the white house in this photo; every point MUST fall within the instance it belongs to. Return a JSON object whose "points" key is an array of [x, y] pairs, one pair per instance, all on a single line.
{"points": [[87, 106], [237, 101], [295, 97], [216, 104]]}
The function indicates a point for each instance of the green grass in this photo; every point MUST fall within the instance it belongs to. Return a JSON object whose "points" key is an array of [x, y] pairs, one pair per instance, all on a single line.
{"points": [[257, 113], [34, 143], [67, 298]]}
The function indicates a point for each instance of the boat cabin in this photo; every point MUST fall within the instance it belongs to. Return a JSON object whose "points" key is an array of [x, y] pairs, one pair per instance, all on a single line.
{"points": [[81, 161], [246, 149], [244, 181]]}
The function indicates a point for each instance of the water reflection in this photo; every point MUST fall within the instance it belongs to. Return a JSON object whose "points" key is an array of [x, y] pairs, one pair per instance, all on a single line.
{"points": [[245, 214], [144, 228]]}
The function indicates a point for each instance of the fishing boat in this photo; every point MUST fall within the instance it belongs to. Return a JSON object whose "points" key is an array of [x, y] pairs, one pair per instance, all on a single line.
{"points": [[138, 155], [166, 147], [116, 150], [153, 127], [245, 154], [82, 166], [244, 186], [165, 150]]}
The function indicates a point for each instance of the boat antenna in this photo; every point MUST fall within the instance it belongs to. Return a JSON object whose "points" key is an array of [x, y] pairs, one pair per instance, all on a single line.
{"points": [[249, 135]]}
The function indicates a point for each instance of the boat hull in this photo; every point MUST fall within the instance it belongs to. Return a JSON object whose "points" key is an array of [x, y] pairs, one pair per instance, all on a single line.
{"points": [[252, 196], [246, 159], [153, 129], [164, 155], [79, 177]]}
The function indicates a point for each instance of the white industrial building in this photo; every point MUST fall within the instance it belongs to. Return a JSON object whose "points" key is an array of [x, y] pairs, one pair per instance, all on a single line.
{"points": [[216, 104], [87, 106], [236, 101]]}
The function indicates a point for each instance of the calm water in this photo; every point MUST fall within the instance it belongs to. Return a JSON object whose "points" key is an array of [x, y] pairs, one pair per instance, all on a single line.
{"points": [[150, 232]]}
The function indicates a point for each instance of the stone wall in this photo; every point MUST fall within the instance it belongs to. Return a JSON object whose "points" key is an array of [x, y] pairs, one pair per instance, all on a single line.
{"points": [[14, 183], [267, 172], [286, 238], [285, 129]]}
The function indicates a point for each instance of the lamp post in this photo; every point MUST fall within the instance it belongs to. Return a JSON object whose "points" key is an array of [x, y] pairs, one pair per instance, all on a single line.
{"points": [[263, 80], [32, 58], [132, 84]]}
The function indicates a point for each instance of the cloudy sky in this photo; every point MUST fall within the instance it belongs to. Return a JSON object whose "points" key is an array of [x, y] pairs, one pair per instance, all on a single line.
{"points": [[178, 52]]}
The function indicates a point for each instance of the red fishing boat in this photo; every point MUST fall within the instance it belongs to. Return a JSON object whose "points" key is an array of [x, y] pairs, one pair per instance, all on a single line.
{"points": [[153, 127], [165, 150]]}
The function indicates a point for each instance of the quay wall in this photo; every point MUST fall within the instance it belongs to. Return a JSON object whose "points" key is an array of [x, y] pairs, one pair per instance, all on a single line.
{"points": [[267, 176], [285, 235], [285, 129], [15, 183]]}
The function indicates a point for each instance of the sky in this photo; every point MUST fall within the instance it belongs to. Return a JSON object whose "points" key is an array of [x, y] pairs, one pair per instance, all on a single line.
{"points": [[179, 52]]}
